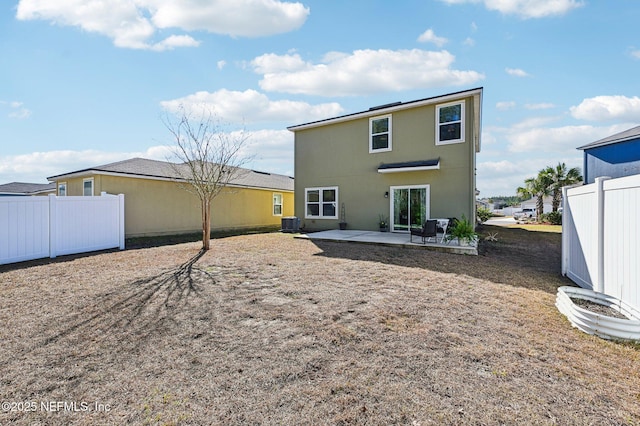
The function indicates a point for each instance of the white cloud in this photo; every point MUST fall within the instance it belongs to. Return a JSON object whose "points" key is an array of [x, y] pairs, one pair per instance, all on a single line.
{"points": [[505, 105], [516, 72], [563, 139], [635, 53], [503, 177], [221, 64], [361, 72], [271, 63], [272, 151], [253, 106], [132, 24], [526, 9], [37, 166], [17, 110], [174, 41], [603, 108], [430, 37], [469, 42]]}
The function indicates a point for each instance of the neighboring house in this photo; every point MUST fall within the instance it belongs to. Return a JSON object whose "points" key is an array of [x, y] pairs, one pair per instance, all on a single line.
{"points": [[614, 156], [532, 203], [14, 189], [156, 203], [405, 161]]}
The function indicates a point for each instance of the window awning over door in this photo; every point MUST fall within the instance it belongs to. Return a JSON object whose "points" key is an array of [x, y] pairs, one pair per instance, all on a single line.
{"points": [[410, 166]]}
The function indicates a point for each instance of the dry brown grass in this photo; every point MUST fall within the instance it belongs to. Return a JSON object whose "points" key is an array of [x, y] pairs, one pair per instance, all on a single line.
{"points": [[268, 329]]}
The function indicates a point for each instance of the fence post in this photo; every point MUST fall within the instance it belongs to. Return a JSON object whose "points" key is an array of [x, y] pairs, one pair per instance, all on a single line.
{"points": [[53, 243], [599, 284], [121, 219], [566, 215]]}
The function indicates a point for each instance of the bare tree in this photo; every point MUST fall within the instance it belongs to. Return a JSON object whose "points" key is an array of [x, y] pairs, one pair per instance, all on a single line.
{"points": [[210, 158]]}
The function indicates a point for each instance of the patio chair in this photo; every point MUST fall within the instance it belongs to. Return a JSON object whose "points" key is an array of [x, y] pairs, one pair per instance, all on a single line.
{"points": [[428, 230]]}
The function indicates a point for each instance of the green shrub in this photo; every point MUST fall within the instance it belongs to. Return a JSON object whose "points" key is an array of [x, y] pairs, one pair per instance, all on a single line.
{"points": [[554, 218], [483, 214], [463, 229]]}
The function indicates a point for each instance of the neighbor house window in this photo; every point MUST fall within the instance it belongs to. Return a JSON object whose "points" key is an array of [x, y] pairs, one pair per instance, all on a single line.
{"points": [[380, 134], [321, 203], [62, 189], [450, 123], [277, 204], [87, 187]]}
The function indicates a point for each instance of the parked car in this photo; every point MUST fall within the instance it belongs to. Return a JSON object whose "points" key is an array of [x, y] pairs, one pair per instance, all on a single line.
{"points": [[525, 214]]}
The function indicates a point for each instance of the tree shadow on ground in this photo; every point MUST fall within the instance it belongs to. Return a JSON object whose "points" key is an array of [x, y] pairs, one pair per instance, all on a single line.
{"points": [[518, 258], [121, 320]]}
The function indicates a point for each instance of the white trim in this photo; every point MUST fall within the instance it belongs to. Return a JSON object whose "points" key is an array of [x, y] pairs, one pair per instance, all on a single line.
{"points": [[462, 123], [391, 200], [388, 132], [408, 105], [273, 207], [62, 184], [320, 189], [92, 187], [410, 169]]}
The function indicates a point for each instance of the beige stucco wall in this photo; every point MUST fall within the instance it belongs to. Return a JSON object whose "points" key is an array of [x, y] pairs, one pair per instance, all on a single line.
{"points": [[338, 155], [157, 207]]}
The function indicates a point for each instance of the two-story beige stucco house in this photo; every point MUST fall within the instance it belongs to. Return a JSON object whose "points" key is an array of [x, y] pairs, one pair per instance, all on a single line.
{"points": [[406, 161]]}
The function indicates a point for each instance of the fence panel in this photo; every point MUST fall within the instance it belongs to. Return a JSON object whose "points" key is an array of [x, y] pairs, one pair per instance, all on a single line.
{"points": [[37, 227], [24, 228], [580, 235], [622, 239], [601, 237]]}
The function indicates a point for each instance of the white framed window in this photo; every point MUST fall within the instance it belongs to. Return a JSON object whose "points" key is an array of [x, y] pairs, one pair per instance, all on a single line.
{"points": [[277, 204], [87, 187], [321, 203], [62, 189], [450, 123], [380, 133]]}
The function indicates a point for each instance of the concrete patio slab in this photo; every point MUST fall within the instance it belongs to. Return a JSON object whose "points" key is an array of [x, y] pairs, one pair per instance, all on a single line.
{"points": [[392, 239]]}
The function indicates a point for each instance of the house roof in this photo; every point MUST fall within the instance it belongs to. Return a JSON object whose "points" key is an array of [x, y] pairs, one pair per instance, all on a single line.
{"points": [[24, 188], [163, 170], [387, 108], [627, 135]]}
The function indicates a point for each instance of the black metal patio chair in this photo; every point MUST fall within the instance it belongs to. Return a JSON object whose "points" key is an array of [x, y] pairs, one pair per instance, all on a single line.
{"points": [[428, 230]]}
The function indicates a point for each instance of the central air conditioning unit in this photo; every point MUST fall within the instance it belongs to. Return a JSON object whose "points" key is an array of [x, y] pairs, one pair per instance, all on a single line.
{"points": [[290, 224]]}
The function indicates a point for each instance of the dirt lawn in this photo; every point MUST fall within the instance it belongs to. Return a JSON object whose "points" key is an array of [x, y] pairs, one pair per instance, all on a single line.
{"points": [[268, 329]]}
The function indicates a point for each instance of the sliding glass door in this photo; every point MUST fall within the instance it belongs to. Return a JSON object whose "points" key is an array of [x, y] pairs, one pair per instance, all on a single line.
{"points": [[409, 207]]}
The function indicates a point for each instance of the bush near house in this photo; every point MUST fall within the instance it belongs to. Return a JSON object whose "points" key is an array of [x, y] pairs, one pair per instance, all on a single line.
{"points": [[553, 218], [483, 214]]}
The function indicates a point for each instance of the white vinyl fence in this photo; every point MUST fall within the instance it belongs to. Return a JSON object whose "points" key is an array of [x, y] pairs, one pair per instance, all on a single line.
{"points": [[37, 227], [601, 237]]}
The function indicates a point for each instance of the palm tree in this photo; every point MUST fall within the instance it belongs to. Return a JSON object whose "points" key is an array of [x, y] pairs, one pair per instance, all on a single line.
{"points": [[538, 187], [560, 176]]}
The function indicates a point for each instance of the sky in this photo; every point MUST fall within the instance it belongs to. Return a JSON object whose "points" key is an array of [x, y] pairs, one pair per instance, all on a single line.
{"points": [[89, 82]]}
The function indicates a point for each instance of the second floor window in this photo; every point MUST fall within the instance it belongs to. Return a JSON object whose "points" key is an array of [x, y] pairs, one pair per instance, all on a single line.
{"points": [[87, 187], [380, 134], [450, 123]]}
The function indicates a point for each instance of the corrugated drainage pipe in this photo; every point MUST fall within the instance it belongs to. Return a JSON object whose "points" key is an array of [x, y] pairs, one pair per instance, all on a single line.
{"points": [[598, 324]]}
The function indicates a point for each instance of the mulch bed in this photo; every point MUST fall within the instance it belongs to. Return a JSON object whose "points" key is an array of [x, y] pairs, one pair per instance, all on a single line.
{"points": [[268, 329]]}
